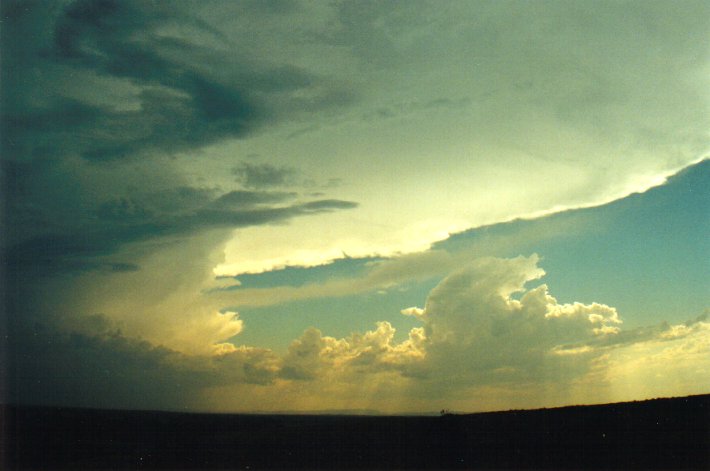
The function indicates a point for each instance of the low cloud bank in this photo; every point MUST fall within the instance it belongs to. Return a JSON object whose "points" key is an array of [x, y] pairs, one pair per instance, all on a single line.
{"points": [[487, 340]]}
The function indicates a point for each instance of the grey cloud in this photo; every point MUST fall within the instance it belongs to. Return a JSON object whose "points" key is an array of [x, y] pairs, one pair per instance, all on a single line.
{"points": [[109, 372], [91, 88], [262, 175], [178, 200], [241, 198], [124, 267], [122, 221], [659, 332], [57, 220], [123, 209], [400, 109], [476, 333], [166, 121], [256, 216], [184, 93], [46, 201], [303, 360], [178, 106], [330, 204], [108, 369], [602, 69]]}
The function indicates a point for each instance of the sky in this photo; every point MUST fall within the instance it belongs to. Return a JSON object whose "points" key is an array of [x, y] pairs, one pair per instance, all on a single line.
{"points": [[402, 207]]}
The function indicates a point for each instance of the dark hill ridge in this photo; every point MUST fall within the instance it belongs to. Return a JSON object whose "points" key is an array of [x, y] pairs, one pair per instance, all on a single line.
{"points": [[654, 434]]}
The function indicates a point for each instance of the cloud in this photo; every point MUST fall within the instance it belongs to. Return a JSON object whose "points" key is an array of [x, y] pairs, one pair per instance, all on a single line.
{"points": [[483, 325], [168, 301], [551, 93], [486, 341], [262, 175], [485, 334], [118, 82], [380, 274], [314, 356], [397, 270], [99, 97], [66, 241], [397, 110], [184, 87], [662, 332], [177, 106], [673, 362], [122, 123], [632, 220], [109, 369]]}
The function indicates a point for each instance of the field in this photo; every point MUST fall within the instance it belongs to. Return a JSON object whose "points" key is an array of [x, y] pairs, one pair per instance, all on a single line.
{"points": [[656, 434]]}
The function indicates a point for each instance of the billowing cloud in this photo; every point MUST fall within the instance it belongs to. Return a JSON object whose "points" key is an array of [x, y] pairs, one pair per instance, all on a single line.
{"points": [[477, 330], [486, 334], [160, 301], [314, 356], [486, 340]]}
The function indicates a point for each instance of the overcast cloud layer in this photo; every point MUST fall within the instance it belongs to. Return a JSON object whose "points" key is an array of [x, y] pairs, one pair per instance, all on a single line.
{"points": [[433, 117]]}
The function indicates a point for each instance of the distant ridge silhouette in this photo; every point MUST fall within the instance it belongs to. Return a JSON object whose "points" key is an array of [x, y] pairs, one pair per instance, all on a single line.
{"points": [[669, 433]]}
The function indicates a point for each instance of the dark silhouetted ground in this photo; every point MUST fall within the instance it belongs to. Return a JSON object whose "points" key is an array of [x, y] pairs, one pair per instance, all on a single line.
{"points": [[656, 434]]}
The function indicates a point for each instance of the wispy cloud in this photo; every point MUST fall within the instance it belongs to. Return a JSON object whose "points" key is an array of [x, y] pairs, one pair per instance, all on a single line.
{"points": [[253, 175], [125, 220]]}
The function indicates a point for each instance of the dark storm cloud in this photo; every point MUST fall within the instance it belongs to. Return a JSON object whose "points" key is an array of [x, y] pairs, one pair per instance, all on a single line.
{"points": [[258, 216], [179, 106], [52, 226], [183, 94], [94, 85], [107, 369], [124, 220]]}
